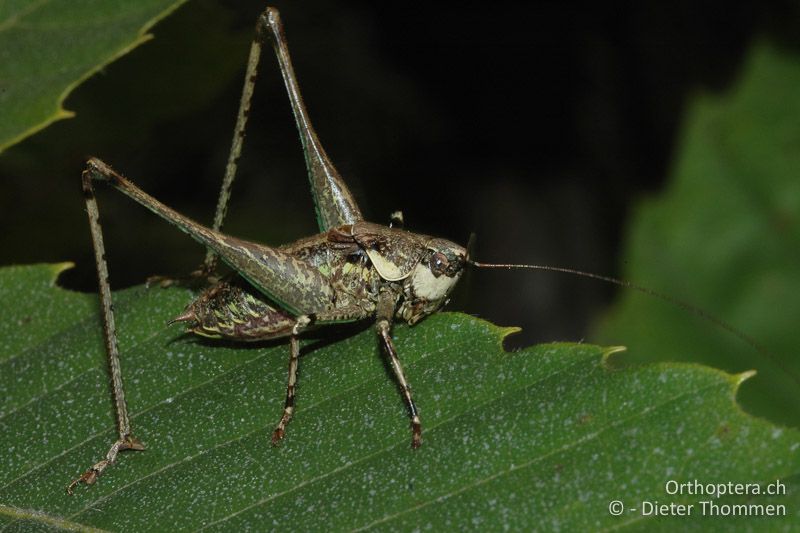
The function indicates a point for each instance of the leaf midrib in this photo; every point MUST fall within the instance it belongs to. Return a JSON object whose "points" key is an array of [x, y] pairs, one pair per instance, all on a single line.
{"points": [[43, 518], [14, 19]]}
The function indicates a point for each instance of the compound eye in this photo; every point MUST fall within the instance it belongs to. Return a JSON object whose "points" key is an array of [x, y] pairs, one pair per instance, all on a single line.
{"points": [[439, 264]]}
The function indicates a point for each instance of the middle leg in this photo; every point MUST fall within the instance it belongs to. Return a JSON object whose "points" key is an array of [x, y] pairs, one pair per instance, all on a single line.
{"points": [[387, 301], [405, 389], [294, 356], [288, 406]]}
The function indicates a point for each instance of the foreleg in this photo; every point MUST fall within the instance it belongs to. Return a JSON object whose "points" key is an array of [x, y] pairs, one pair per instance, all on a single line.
{"points": [[294, 356], [383, 326]]}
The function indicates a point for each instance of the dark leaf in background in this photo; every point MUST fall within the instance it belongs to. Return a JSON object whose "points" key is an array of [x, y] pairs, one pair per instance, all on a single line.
{"points": [[49, 48], [725, 235]]}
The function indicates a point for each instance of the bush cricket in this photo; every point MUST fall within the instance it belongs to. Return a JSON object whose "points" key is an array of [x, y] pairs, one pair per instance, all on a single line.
{"points": [[353, 270]]}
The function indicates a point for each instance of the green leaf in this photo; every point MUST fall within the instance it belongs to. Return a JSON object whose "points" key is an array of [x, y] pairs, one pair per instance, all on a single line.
{"points": [[725, 235], [542, 438], [47, 48]]}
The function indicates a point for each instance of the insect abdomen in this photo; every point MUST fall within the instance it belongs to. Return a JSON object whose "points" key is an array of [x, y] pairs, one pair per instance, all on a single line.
{"points": [[233, 310]]}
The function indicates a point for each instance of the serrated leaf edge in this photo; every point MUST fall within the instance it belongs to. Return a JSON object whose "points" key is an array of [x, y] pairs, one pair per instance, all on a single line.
{"points": [[60, 112]]}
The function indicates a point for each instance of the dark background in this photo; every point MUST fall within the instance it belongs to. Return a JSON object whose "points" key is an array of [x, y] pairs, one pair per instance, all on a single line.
{"points": [[535, 125]]}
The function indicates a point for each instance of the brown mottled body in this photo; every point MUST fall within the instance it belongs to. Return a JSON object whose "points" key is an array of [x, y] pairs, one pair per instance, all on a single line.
{"points": [[352, 270], [232, 309]]}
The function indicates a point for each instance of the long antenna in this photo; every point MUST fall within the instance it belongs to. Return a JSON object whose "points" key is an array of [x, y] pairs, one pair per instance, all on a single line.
{"points": [[750, 341]]}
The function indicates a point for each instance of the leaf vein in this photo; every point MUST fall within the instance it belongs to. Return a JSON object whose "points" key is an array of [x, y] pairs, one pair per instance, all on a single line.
{"points": [[13, 20], [38, 516], [221, 444], [386, 449], [586, 438], [133, 416]]}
